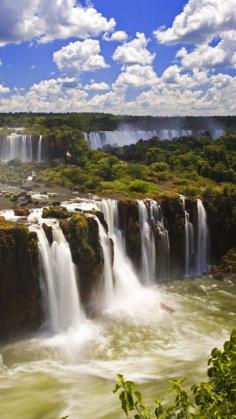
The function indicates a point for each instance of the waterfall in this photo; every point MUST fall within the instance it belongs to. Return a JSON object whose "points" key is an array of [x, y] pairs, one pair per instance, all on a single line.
{"points": [[163, 245], [108, 269], [202, 265], [189, 241], [21, 147], [39, 152], [99, 139], [59, 277], [125, 279], [148, 249]]}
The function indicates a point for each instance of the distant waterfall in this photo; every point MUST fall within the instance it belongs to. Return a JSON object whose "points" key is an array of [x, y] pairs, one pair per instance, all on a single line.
{"points": [[100, 139], [21, 147], [163, 245], [189, 241], [58, 272], [125, 279], [148, 249], [202, 265]]}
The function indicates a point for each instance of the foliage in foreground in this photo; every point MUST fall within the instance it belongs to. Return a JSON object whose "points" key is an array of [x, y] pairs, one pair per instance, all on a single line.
{"points": [[214, 399]]}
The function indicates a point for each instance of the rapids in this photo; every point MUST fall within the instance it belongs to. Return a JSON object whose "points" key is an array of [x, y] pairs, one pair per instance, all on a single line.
{"points": [[69, 366], [48, 376]]}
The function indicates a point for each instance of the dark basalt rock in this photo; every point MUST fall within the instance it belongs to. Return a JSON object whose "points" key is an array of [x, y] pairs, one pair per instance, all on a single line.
{"points": [[220, 205], [172, 209], [20, 297]]}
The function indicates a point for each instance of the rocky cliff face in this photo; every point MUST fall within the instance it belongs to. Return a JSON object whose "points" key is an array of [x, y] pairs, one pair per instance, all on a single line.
{"points": [[20, 297]]}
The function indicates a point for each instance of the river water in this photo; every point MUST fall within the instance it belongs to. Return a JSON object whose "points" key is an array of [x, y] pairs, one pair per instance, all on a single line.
{"points": [[47, 377]]}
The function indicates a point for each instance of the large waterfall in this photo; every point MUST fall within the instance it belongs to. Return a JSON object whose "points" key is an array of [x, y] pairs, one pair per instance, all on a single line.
{"points": [[196, 241], [202, 265], [189, 241], [21, 147], [99, 139], [59, 281], [148, 249], [125, 278], [163, 243]]}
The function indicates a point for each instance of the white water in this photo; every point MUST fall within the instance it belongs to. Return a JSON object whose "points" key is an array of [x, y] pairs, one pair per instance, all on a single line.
{"points": [[39, 152], [21, 147], [99, 139], [40, 378], [148, 248], [126, 281], [61, 297], [163, 246], [189, 241], [202, 265], [108, 293]]}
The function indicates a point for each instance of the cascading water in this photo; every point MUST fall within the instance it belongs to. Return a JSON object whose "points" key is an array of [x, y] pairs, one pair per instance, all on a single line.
{"points": [[108, 272], [202, 265], [39, 152], [125, 279], [148, 249], [99, 139], [189, 241], [21, 147], [59, 276], [163, 245]]}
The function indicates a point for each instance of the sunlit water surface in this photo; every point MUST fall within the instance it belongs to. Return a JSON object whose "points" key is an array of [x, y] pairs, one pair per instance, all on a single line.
{"points": [[47, 377]]}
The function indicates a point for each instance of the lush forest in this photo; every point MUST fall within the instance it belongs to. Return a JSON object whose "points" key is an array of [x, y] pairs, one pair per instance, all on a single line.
{"points": [[186, 165], [101, 121]]}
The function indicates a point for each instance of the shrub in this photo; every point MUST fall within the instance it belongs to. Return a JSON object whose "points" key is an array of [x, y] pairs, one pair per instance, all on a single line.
{"points": [[215, 399]]}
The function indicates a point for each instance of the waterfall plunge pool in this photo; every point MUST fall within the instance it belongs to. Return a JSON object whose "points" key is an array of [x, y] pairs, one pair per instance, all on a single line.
{"points": [[73, 373]]}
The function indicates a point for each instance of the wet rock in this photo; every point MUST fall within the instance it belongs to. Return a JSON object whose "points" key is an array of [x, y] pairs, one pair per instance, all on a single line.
{"points": [[20, 296], [21, 212], [56, 212]]}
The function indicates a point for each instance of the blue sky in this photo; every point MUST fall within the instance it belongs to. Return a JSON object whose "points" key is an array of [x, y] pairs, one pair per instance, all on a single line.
{"points": [[133, 56]]}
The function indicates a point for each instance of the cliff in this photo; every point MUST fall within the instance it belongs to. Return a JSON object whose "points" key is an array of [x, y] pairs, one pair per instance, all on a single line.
{"points": [[20, 297]]}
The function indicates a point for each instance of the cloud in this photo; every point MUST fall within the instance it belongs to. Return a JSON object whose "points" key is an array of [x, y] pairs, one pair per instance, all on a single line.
{"points": [[97, 86], [134, 52], [177, 92], [47, 20], [80, 56], [199, 22], [4, 89], [136, 76], [207, 56], [118, 36]]}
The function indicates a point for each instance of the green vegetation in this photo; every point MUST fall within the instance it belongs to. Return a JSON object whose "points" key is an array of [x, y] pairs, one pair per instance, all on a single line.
{"points": [[214, 399], [187, 166]]}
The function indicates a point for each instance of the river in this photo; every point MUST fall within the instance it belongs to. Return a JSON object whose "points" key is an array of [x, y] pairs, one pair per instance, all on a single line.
{"points": [[48, 377]]}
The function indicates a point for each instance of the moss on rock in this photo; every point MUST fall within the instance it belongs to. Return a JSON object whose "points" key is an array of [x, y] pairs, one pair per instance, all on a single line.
{"points": [[20, 297]]}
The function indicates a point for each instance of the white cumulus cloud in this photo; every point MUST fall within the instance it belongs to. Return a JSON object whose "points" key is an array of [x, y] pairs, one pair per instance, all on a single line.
{"points": [[97, 86], [200, 21], [134, 52], [118, 36], [46, 20], [80, 56]]}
